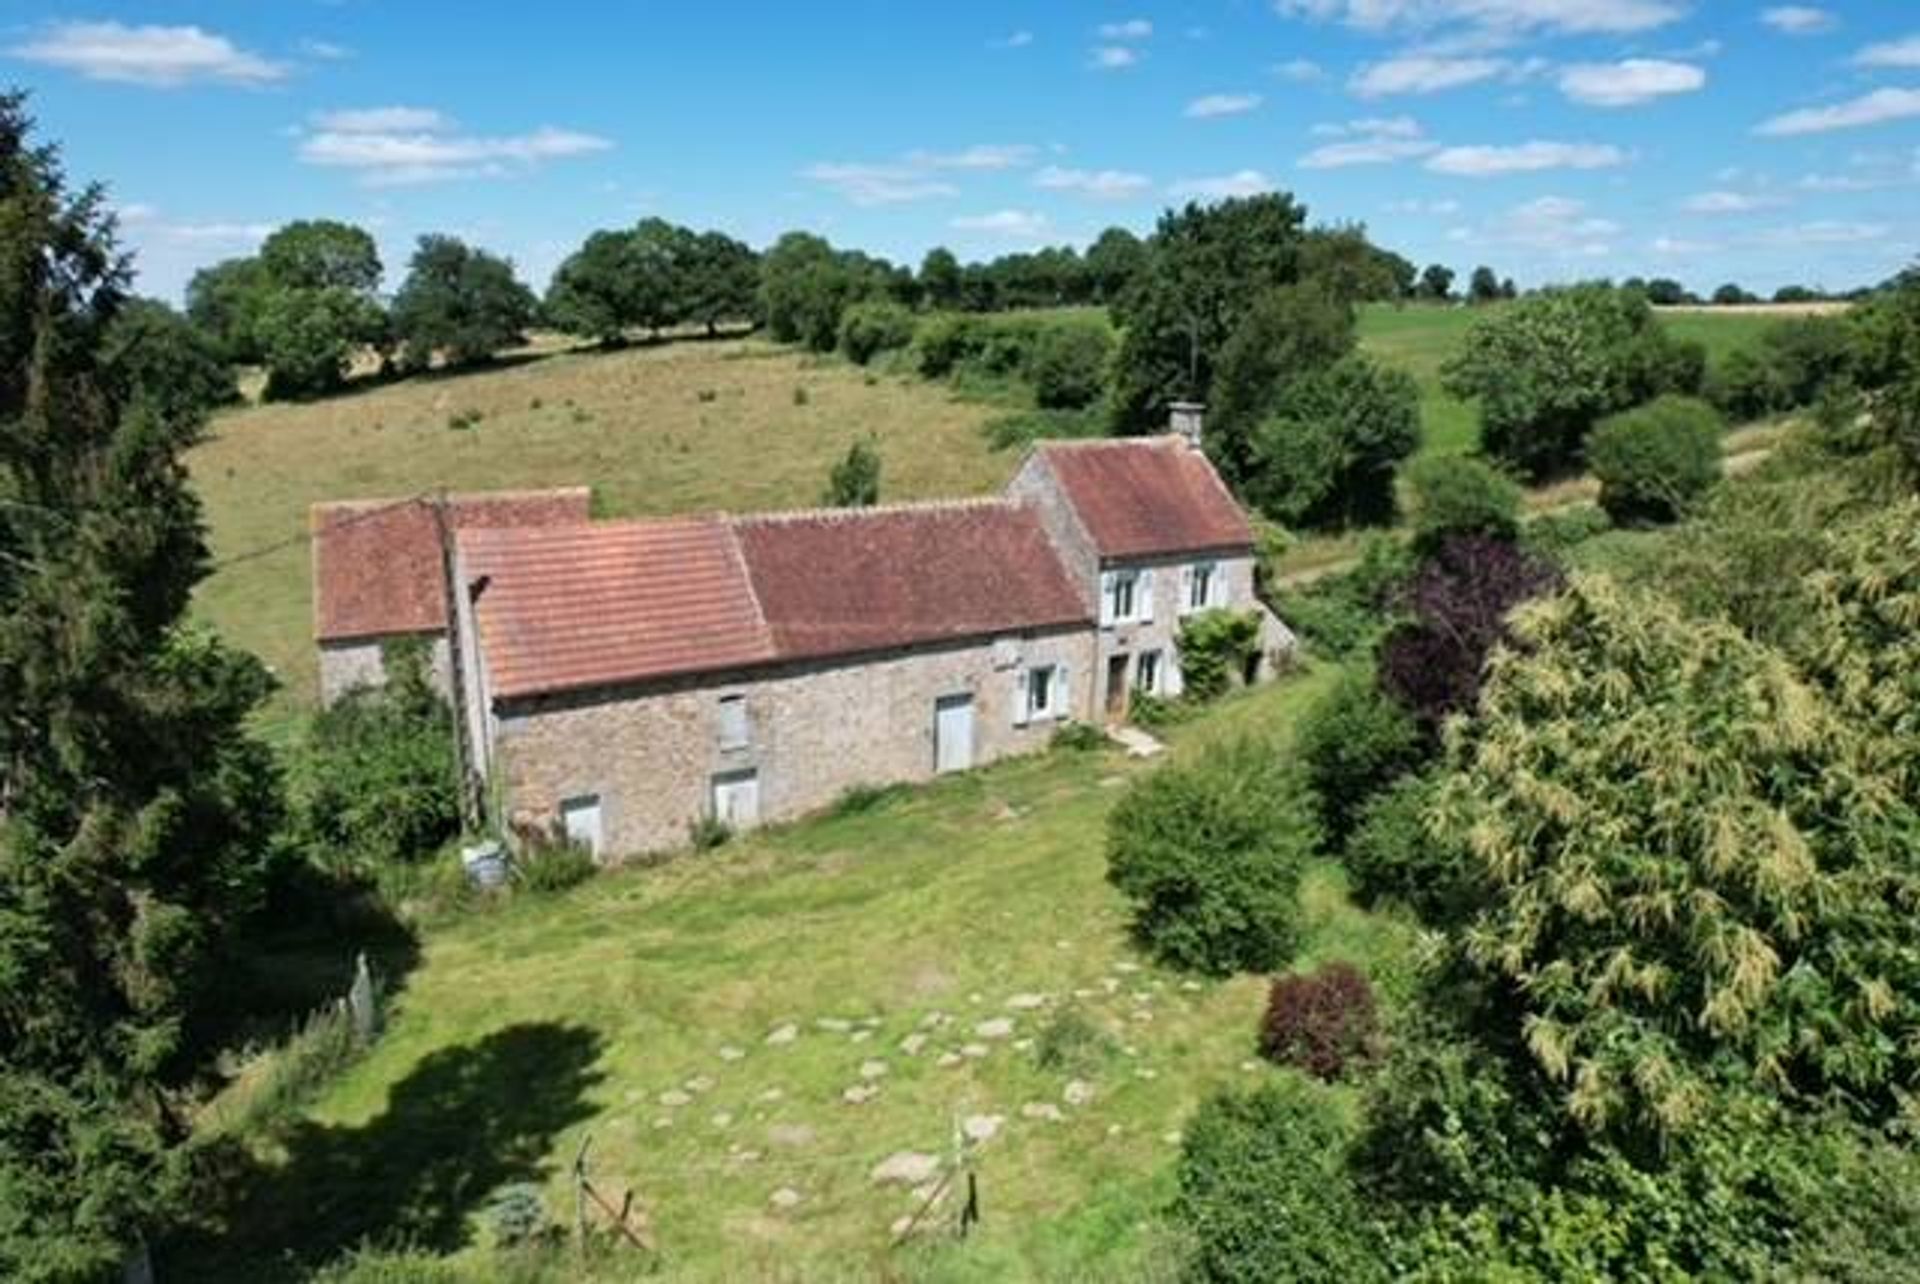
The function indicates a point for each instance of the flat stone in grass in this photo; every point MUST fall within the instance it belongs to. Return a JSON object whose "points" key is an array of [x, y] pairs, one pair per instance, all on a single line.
{"points": [[790, 1135], [861, 1036], [981, 1128], [934, 1020], [1023, 1045], [1110, 983], [859, 1094], [1026, 1002], [1043, 1110], [1078, 1092], [773, 1094], [699, 1083], [784, 1198], [947, 1060], [906, 1168], [1192, 987], [1146, 1072], [675, 1097], [783, 1034], [994, 1028], [1126, 965], [663, 1122], [1141, 1014], [731, 1053], [722, 1119], [974, 1050], [873, 1069], [834, 1025], [912, 1044]]}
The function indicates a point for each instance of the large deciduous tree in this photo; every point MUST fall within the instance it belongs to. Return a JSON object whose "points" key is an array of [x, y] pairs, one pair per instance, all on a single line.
{"points": [[1327, 453], [134, 811], [460, 302]]}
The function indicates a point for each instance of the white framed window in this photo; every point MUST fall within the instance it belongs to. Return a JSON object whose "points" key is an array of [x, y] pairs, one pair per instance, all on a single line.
{"points": [[1043, 692], [1126, 596], [1203, 586], [1146, 673], [581, 821], [732, 722], [736, 799]]}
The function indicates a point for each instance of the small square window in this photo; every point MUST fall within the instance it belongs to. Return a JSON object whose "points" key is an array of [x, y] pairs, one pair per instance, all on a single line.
{"points": [[1041, 692], [733, 722]]}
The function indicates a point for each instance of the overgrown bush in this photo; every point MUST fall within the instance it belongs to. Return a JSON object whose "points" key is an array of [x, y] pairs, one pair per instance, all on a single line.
{"points": [[555, 867], [1322, 1022], [1392, 857], [1433, 662], [1326, 453], [1071, 1042], [376, 781], [1655, 462], [1079, 737], [1353, 743], [1209, 852], [1021, 427], [707, 833], [1458, 495], [1265, 1193], [860, 800], [1068, 365], [854, 480], [875, 326], [1215, 648], [1343, 614]]}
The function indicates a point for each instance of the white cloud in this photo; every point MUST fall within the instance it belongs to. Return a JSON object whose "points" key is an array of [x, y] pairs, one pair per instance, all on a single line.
{"points": [[162, 57], [978, 156], [325, 50], [1132, 29], [1629, 82], [1215, 105], [1876, 108], [1245, 182], [1524, 158], [1843, 183], [390, 146], [1823, 232], [1798, 19], [1566, 17], [1114, 57], [1374, 141], [1728, 203], [383, 120], [1554, 225], [1100, 184], [1667, 246], [878, 184], [1300, 71], [1440, 208], [1422, 74], [1016, 40], [1891, 53], [1018, 225]]}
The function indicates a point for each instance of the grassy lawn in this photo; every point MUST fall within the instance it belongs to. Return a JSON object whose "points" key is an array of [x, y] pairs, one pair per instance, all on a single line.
{"points": [[529, 1027], [1418, 339], [735, 424]]}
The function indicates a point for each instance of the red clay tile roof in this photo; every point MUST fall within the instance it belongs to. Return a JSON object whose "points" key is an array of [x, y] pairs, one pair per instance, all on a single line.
{"points": [[376, 563], [850, 580], [1147, 496], [595, 604]]}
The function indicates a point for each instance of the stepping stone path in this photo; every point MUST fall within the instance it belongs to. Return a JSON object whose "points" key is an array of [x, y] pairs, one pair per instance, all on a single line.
{"points": [[1078, 1092], [699, 1083], [974, 1050], [947, 1060], [784, 1198], [731, 1053], [675, 1097], [981, 1128], [873, 1069], [834, 1025], [996, 1028], [784, 1034], [934, 1020], [906, 1168], [1042, 1110], [859, 1094], [1026, 1002], [912, 1044]]}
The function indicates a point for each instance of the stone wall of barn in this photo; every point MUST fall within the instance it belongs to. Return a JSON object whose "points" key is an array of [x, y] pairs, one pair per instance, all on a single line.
{"points": [[359, 663], [650, 753]]}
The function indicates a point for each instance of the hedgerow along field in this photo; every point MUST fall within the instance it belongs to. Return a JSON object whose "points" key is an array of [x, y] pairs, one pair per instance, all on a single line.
{"points": [[646, 1009], [682, 427]]}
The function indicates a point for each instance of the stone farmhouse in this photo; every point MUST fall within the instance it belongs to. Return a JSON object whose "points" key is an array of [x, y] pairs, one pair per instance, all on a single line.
{"points": [[619, 681]]}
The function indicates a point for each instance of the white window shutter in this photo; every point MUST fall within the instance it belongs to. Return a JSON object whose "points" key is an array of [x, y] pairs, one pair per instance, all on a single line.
{"points": [[1143, 606], [1217, 586], [1020, 714], [1186, 590], [1063, 690], [1106, 597]]}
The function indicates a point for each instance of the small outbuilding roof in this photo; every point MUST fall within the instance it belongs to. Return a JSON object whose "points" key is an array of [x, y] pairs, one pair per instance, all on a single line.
{"points": [[377, 568], [1147, 496], [564, 608], [842, 581]]}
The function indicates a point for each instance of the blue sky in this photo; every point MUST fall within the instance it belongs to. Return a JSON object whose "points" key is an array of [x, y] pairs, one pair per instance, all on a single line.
{"points": [[1553, 139]]}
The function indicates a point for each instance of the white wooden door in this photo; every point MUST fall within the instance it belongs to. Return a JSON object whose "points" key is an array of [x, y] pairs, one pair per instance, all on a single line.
{"points": [[736, 799], [580, 820], [953, 733]]}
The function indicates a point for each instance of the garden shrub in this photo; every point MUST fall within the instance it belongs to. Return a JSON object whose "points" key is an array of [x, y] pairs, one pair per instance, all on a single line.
{"points": [[1215, 648], [1079, 737], [1209, 850], [1326, 453], [1433, 662], [1391, 857], [854, 479], [941, 342], [1457, 495], [1322, 1022], [875, 326], [1353, 743], [1343, 614], [1552, 535], [554, 867], [1265, 1193], [376, 780], [1022, 427], [707, 833], [1654, 463], [1068, 364]]}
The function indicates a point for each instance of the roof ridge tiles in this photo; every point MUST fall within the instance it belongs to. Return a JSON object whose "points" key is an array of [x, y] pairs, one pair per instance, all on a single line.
{"points": [[964, 504]]}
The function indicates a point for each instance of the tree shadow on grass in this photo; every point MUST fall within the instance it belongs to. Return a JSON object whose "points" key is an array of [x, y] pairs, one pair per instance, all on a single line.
{"points": [[465, 1121]]}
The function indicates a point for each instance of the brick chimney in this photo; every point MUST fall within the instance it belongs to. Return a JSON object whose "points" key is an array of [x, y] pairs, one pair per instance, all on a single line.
{"points": [[1184, 420]]}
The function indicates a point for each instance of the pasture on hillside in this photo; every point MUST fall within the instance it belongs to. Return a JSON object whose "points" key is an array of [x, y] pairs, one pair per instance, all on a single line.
{"points": [[955, 950]]}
